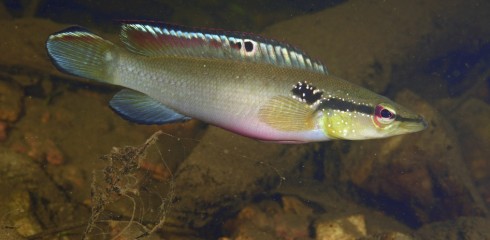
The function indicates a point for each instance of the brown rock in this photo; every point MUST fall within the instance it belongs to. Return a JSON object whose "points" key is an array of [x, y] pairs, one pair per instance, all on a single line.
{"points": [[225, 170], [388, 236], [268, 220], [9, 234], [361, 41], [40, 149], [461, 228], [4, 14], [3, 131], [31, 201], [421, 174], [346, 228], [23, 46], [472, 121], [10, 101], [24, 221], [54, 155]]}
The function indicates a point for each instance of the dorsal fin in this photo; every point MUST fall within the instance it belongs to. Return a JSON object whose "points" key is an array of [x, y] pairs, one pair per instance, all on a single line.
{"points": [[158, 39]]}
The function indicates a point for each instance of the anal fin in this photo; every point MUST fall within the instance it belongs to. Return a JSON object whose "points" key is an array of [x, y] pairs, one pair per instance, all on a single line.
{"points": [[140, 108]]}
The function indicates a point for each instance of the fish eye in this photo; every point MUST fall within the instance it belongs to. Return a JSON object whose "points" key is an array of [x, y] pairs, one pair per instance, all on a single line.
{"points": [[383, 115]]}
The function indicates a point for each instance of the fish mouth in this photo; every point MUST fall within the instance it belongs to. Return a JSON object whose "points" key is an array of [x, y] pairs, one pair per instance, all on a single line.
{"points": [[413, 124]]}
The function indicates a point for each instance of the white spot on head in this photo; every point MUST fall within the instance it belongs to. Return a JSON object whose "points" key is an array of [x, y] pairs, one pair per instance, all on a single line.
{"points": [[108, 56]]}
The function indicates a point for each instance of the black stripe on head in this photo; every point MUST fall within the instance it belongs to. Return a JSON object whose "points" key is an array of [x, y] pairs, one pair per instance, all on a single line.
{"points": [[306, 92], [343, 105], [404, 119]]}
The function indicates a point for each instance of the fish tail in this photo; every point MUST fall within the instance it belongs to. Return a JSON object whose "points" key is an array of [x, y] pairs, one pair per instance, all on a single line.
{"points": [[77, 51]]}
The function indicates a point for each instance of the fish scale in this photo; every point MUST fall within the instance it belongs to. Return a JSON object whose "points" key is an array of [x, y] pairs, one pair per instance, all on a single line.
{"points": [[221, 90], [244, 83]]}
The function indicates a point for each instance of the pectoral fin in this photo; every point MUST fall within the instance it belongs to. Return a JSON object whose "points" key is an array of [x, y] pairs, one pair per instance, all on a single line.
{"points": [[140, 108], [287, 114]]}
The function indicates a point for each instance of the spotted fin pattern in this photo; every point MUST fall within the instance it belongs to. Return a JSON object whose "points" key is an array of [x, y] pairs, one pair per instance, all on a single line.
{"points": [[156, 39]]}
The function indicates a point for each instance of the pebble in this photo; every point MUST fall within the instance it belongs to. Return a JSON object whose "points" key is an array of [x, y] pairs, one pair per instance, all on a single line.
{"points": [[3, 131], [344, 228], [10, 101]]}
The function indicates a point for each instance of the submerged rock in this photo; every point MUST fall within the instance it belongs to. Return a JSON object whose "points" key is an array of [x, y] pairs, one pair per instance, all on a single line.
{"points": [[26, 206], [471, 119], [460, 228], [418, 177], [388, 236], [271, 219], [346, 228], [365, 41], [309, 211], [10, 101], [9, 234], [225, 171], [3, 131], [4, 14], [23, 51]]}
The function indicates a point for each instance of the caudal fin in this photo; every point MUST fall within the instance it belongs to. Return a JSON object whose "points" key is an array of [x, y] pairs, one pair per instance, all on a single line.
{"points": [[77, 51]]}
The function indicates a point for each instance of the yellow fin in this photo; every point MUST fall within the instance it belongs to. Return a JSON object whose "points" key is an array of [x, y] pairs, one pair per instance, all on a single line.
{"points": [[287, 114]]}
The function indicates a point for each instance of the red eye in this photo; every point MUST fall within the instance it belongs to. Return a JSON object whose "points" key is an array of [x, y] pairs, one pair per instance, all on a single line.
{"points": [[383, 115]]}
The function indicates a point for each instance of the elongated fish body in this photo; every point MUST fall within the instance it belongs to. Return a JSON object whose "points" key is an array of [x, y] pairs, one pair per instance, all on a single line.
{"points": [[243, 83], [223, 100]]}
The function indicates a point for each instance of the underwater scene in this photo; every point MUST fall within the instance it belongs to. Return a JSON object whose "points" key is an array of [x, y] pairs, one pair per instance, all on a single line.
{"points": [[296, 120]]}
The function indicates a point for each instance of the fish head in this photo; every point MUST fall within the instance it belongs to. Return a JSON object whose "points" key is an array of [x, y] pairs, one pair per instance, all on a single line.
{"points": [[372, 117]]}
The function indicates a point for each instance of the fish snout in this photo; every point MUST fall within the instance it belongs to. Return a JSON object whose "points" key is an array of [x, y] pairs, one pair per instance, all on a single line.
{"points": [[415, 123]]}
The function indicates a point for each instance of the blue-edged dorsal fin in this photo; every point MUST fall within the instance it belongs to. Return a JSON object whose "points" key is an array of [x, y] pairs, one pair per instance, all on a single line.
{"points": [[140, 108], [159, 39]]}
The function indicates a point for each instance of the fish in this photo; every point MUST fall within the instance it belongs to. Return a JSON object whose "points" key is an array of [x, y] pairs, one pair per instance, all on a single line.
{"points": [[242, 82]]}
